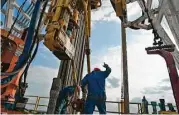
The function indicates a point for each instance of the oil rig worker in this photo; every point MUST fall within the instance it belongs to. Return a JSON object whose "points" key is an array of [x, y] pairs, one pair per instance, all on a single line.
{"points": [[63, 99], [96, 96]]}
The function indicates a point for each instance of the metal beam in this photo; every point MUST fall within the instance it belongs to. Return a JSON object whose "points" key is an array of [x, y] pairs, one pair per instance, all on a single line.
{"points": [[144, 17], [17, 7], [125, 70], [157, 20], [166, 39], [173, 25], [141, 5], [9, 14], [149, 4], [18, 21]]}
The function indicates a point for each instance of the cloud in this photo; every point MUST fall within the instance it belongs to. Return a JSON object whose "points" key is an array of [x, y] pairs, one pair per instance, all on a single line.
{"points": [[114, 82], [162, 87], [107, 13], [39, 80], [145, 72], [136, 99], [45, 52], [159, 88], [152, 90], [166, 80], [46, 58], [162, 90], [165, 88]]}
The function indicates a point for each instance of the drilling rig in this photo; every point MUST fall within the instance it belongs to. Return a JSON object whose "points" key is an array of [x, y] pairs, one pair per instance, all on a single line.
{"points": [[67, 25]]}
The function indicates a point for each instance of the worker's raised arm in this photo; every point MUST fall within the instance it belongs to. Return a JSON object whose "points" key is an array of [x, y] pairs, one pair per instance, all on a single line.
{"points": [[107, 71]]}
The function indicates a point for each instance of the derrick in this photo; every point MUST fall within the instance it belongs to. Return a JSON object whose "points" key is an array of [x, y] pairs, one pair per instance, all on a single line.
{"points": [[67, 25]]}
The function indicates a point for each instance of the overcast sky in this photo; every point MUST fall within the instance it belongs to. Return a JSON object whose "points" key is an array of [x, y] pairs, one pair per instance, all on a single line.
{"points": [[148, 74]]}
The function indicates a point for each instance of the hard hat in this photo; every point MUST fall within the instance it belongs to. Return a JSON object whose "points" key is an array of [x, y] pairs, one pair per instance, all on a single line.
{"points": [[96, 69]]}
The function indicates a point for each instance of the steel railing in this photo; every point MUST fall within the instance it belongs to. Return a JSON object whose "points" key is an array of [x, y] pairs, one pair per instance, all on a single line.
{"points": [[37, 104]]}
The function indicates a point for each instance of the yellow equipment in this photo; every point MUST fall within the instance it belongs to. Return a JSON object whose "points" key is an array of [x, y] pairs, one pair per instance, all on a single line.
{"points": [[61, 20], [122, 106], [95, 4], [75, 17], [167, 112], [61, 15], [120, 7]]}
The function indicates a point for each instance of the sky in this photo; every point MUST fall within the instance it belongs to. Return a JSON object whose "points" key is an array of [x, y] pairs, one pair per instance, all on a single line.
{"points": [[147, 74]]}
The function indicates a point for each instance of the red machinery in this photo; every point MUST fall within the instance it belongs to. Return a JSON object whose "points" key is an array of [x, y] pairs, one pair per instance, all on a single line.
{"points": [[165, 52], [9, 57]]}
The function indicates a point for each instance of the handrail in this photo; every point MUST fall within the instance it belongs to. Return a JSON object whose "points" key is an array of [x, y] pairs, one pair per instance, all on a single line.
{"points": [[38, 98]]}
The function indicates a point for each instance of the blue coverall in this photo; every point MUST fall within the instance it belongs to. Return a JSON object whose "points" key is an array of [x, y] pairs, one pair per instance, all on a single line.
{"points": [[96, 90], [62, 100]]}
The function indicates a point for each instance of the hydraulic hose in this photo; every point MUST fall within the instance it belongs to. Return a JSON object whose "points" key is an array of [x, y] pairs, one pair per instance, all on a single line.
{"points": [[15, 71], [36, 40], [26, 56]]}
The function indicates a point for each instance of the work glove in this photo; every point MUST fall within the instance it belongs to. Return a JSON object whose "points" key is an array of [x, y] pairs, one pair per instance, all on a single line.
{"points": [[105, 65]]}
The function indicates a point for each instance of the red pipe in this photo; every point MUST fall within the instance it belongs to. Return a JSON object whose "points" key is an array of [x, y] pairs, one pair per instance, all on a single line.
{"points": [[174, 79]]}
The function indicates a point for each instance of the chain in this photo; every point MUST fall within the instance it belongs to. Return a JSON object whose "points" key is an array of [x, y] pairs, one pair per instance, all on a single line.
{"points": [[157, 39]]}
